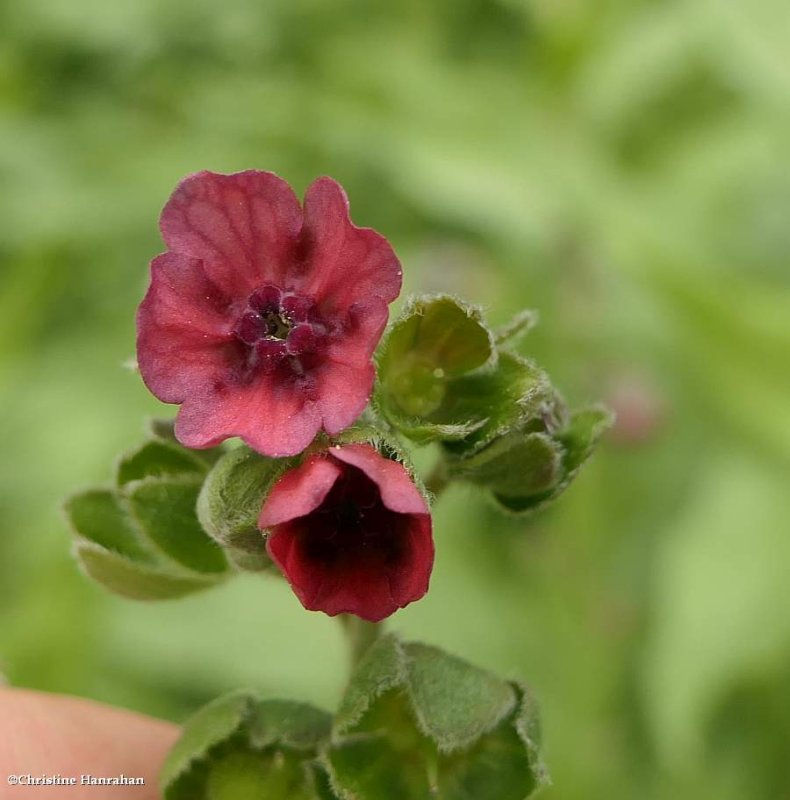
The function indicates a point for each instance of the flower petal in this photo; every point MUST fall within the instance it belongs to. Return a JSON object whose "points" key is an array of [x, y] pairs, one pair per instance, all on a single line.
{"points": [[410, 577], [272, 417], [343, 393], [398, 492], [343, 264], [364, 325], [353, 588], [184, 335], [300, 491], [243, 226]]}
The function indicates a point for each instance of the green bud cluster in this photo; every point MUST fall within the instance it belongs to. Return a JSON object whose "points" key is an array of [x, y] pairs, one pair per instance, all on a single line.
{"points": [[446, 377]]}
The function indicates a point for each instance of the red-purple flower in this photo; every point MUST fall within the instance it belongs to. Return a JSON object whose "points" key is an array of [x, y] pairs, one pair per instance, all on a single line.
{"points": [[351, 533], [262, 316]]}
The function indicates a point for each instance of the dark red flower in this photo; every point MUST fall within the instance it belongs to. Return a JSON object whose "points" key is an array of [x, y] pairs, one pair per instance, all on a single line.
{"points": [[262, 316], [351, 533]]}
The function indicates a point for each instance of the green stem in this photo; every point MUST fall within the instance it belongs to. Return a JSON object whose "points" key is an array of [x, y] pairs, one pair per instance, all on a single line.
{"points": [[360, 635], [437, 479]]}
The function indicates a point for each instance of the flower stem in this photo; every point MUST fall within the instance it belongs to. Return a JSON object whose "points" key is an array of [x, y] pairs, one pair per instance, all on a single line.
{"points": [[437, 479], [360, 635]]}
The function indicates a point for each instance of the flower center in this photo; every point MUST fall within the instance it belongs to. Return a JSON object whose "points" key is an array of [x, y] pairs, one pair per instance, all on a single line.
{"points": [[353, 525], [276, 325]]}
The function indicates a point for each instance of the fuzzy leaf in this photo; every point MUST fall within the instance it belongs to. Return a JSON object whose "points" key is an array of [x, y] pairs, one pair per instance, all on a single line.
{"points": [[158, 458], [98, 516], [284, 722], [242, 776], [240, 747], [383, 667], [165, 509], [437, 681], [417, 723], [322, 783], [212, 725], [131, 579], [497, 766], [252, 775], [373, 768]]}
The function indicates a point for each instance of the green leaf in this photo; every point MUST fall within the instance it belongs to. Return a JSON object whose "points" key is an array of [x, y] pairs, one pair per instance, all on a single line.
{"points": [[417, 723], [251, 775], [322, 783], [165, 509], [242, 776], [297, 725], [518, 327], [98, 516], [377, 768], [240, 747], [232, 496], [131, 579], [437, 681], [382, 668], [497, 766], [212, 725], [158, 458]]}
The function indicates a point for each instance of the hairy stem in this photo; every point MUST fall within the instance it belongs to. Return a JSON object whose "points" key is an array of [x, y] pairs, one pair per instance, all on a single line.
{"points": [[437, 479], [360, 635]]}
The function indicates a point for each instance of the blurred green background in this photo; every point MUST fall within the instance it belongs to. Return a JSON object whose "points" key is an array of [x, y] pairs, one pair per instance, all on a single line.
{"points": [[622, 166]]}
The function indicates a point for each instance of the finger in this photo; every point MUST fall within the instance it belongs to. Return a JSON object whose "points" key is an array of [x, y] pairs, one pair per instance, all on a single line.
{"points": [[54, 735]]}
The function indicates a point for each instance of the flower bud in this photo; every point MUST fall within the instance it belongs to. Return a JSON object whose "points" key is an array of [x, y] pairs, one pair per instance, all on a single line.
{"points": [[351, 532]]}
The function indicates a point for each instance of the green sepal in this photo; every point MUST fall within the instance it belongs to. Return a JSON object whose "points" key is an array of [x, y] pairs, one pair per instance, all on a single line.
{"points": [[515, 465], [134, 580], [515, 330], [436, 340], [577, 441], [165, 511], [418, 723], [239, 748], [513, 393], [475, 407], [230, 503]]}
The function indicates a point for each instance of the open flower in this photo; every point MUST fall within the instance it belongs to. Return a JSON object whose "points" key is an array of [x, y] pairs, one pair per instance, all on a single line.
{"points": [[262, 316], [351, 533]]}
